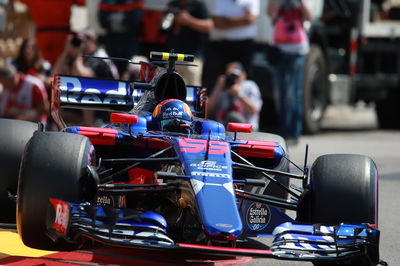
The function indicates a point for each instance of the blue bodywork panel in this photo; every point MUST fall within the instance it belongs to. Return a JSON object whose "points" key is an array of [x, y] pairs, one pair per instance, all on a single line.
{"points": [[209, 165]]}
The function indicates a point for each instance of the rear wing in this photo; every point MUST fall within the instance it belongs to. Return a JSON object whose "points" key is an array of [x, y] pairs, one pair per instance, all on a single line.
{"points": [[106, 95]]}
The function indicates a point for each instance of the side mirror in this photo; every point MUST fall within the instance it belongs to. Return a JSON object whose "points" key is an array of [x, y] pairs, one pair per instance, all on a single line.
{"points": [[240, 127], [123, 118]]}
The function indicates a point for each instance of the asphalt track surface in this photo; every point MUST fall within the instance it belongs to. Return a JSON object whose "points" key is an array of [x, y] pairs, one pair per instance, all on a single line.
{"points": [[355, 134], [13, 252]]}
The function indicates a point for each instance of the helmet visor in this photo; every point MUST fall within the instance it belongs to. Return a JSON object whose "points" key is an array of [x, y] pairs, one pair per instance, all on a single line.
{"points": [[175, 124]]}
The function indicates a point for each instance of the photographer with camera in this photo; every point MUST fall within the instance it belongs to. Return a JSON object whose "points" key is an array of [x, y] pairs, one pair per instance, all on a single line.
{"points": [[234, 98], [72, 62], [292, 41], [187, 24]]}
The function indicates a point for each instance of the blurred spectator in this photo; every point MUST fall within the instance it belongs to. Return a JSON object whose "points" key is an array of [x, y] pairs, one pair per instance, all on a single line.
{"points": [[291, 38], [23, 96], [52, 21], [235, 99], [30, 61], [132, 72], [72, 62], [235, 23], [101, 68], [4, 8], [188, 24], [152, 37], [121, 21]]}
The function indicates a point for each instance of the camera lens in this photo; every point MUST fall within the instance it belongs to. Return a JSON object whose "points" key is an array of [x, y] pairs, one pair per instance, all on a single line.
{"points": [[76, 41], [230, 79]]}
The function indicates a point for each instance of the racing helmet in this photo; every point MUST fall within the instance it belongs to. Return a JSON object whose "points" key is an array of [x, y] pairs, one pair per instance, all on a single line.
{"points": [[172, 115]]}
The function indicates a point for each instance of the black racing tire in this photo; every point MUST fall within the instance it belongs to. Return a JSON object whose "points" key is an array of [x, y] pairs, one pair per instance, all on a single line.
{"points": [[14, 135], [343, 189], [54, 166], [272, 189], [315, 89]]}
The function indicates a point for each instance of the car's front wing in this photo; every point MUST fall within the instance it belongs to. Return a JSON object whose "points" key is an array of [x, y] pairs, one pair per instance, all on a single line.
{"points": [[115, 227]]}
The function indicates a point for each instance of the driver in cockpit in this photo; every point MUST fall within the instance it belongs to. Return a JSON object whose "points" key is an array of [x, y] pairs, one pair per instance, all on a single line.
{"points": [[173, 115]]}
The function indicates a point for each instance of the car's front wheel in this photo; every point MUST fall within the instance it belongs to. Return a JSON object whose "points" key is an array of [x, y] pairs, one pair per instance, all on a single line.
{"points": [[343, 189], [54, 166]]}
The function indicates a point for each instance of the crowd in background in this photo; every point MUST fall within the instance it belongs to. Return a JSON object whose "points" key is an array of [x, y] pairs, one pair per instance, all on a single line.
{"points": [[184, 26]]}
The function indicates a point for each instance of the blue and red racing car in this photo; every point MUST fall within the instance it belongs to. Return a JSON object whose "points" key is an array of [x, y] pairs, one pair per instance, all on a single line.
{"points": [[161, 176]]}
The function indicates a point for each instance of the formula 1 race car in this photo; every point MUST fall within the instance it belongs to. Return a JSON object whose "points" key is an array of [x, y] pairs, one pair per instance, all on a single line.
{"points": [[161, 176]]}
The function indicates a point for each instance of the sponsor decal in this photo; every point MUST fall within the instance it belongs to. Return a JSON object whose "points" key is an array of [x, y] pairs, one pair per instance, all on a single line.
{"points": [[200, 146], [258, 216], [82, 90], [172, 114], [61, 221], [207, 174], [209, 165], [105, 201]]}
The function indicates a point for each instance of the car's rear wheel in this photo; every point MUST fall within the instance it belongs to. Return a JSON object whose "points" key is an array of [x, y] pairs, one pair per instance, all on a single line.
{"points": [[14, 135], [343, 189], [54, 166]]}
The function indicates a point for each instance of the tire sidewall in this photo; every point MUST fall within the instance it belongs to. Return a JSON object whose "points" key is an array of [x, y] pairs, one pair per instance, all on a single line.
{"points": [[343, 189], [53, 166], [14, 135]]}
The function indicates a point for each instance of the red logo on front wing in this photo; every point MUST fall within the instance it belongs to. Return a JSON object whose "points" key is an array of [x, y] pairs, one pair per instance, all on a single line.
{"points": [[200, 145], [62, 210]]}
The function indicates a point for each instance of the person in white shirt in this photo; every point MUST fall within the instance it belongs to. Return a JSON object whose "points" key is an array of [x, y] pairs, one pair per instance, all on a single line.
{"points": [[233, 37]]}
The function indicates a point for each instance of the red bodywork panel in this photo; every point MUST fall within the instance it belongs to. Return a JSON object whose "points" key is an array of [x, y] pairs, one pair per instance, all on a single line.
{"points": [[107, 136], [99, 136], [256, 148], [123, 118], [249, 148]]}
